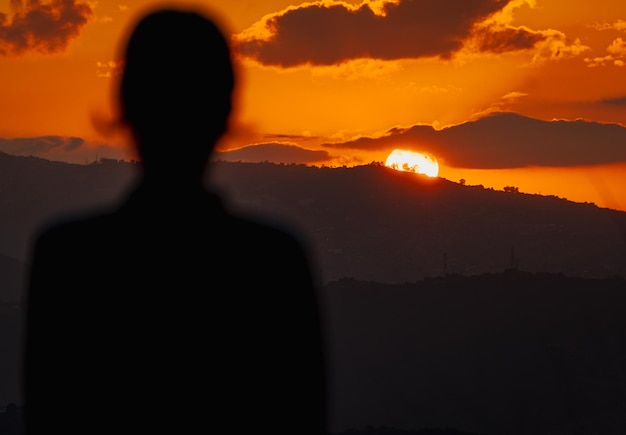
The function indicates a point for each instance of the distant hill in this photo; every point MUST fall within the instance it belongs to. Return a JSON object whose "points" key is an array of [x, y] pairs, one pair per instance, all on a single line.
{"points": [[367, 222], [371, 222]]}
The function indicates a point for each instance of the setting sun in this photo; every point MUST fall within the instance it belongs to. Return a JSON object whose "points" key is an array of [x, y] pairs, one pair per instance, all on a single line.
{"points": [[412, 161]]}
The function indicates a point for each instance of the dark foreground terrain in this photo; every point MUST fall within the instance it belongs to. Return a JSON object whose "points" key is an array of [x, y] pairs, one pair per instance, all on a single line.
{"points": [[509, 353], [499, 354]]}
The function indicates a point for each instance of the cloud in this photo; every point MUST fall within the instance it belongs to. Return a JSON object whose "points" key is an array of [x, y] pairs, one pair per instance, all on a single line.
{"points": [[36, 146], [507, 140], [59, 148], [502, 104], [545, 44], [108, 69], [598, 61], [619, 101], [506, 39], [496, 34], [357, 69], [617, 48], [619, 25], [292, 137], [77, 150], [616, 56], [42, 27], [331, 32], [274, 152]]}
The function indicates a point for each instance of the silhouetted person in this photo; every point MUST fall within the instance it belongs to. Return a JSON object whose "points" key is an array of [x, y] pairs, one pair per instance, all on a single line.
{"points": [[170, 314]]}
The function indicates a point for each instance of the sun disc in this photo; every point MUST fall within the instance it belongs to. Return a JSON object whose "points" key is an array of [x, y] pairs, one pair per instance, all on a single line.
{"points": [[413, 161]]}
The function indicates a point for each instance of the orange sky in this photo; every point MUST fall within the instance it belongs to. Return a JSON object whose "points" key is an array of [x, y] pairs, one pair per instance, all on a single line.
{"points": [[333, 72]]}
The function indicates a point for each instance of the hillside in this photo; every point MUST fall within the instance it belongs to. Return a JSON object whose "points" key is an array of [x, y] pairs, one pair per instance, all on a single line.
{"points": [[367, 222], [374, 223]]}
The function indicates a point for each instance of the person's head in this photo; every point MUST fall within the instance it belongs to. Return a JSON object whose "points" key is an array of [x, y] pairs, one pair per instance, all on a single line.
{"points": [[176, 88]]}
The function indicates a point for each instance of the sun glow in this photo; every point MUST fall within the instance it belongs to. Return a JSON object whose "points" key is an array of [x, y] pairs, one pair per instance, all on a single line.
{"points": [[412, 161]]}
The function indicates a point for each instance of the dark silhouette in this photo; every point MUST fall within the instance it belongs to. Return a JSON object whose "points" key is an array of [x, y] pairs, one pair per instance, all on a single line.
{"points": [[171, 314]]}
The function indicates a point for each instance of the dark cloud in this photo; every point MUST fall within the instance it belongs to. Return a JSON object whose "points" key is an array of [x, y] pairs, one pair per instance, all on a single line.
{"points": [[59, 148], [36, 146], [507, 140], [293, 137], [273, 152], [506, 39], [41, 27], [330, 33], [619, 101]]}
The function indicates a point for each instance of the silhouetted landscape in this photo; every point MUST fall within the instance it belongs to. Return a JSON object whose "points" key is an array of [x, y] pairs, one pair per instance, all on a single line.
{"points": [[366, 222], [450, 309]]}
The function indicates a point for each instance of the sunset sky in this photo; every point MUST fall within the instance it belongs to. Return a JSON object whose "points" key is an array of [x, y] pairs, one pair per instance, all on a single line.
{"points": [[344, 83]]}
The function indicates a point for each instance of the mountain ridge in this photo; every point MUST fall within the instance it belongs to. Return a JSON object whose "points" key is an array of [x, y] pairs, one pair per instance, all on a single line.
{"points": [[365, 222], [375, 223]]}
